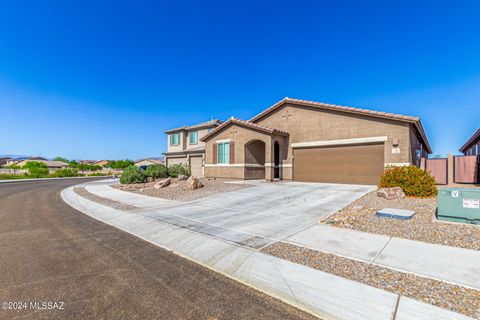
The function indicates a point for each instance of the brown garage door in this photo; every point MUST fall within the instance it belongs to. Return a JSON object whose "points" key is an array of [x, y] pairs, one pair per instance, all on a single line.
{"points": [[356, 164], [196, 166]]}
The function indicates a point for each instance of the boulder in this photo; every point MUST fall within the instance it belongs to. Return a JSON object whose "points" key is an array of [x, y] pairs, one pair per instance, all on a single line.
{"points": [[194, 183], [149, 179], [182, 177], [391, 193], [162, 183]]}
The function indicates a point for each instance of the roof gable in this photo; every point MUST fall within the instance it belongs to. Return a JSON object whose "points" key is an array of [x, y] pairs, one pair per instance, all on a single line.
{"points": [[246, 124], [334, 107], [470, 141]]}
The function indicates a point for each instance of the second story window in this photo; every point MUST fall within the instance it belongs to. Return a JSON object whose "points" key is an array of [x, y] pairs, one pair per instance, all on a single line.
{"points": [[193, 137], [175, 139]]}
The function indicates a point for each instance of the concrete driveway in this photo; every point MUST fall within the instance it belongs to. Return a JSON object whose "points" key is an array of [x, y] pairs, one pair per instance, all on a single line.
{"points": [[253, 217]]}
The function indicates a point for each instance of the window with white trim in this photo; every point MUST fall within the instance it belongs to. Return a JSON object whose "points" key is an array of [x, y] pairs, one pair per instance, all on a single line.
{"points": [[223, 153]]}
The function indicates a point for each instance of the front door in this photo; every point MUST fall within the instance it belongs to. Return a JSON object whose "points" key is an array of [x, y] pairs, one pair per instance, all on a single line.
{"points": [[276, 160]]}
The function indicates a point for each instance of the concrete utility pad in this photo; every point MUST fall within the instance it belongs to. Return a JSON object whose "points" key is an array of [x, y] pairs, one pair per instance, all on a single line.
{"points": [[400, 214]]}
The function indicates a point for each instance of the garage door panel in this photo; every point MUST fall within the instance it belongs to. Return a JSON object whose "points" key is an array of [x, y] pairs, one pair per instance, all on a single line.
{"points": [[358, 164], [196, 166]]}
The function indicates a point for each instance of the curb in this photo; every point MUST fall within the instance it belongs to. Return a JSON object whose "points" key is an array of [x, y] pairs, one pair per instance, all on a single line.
{"points": [[49, 179]]}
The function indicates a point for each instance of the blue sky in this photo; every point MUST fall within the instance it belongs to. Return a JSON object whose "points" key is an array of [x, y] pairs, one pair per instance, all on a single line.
{"points": [[104, 79]]}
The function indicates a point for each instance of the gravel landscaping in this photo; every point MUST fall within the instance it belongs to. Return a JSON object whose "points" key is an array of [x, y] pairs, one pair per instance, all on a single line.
{"points": [[438, 293], [360, 215], [177, 190]]}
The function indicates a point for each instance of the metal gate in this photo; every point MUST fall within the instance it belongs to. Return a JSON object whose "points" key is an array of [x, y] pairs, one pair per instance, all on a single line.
{"points": [[438, 168], [466, 169]]}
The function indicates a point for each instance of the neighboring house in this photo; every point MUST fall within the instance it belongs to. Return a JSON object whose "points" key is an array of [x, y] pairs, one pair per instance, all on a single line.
{"points": [[15, 161], [89, 162], [147, 162], [472, 146], [51, 164], [101, 163], [314, 142], [4, 160], [186, 147]]}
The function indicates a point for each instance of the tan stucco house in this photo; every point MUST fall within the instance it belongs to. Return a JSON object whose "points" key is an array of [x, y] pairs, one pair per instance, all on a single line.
{"points": [[307, 141], [185, 145]]}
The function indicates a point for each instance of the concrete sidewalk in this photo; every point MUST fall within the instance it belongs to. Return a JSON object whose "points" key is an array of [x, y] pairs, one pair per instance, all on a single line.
{"points": [[323, 294], [444, 263]]}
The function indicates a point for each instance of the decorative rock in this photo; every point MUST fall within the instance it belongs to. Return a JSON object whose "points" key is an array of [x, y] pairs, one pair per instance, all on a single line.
{"points": [[391, 193], [193, 183], [182, 177], [149, 179], [162, 183]]}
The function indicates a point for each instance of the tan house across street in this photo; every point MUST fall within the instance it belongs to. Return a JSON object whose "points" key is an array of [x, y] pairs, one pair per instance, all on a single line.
{"points": [[52, 165], [101, 163], [186, 147], [313, 142]]}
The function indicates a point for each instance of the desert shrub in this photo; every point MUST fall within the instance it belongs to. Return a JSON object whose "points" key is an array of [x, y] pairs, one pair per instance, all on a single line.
{"points": [[156, 171], [67, 172], [132, 174], [176, 169], [36, 169], [414, 181]]}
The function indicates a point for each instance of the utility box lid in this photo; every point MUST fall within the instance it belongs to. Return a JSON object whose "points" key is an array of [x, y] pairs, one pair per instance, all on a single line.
{"points": [[395, 213], [459, 204]]}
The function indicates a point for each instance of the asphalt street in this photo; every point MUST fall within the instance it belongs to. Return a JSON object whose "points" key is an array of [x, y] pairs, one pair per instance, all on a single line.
{"points": [[57, 263]]}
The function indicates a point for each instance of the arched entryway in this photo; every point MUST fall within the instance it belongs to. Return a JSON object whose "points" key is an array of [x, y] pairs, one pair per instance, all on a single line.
{"points": [[276, 160], [255, 160]]}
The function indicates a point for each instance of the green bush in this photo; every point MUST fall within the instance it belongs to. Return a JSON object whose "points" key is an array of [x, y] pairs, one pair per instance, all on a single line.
{"points": [[156, 171], [176, 169], [63, 173], [414, 181], [120, 164], [36, 169], [12, 176], [132, 174]]}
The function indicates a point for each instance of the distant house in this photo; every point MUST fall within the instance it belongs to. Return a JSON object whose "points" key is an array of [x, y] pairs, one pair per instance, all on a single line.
{"points": [[16, 161], [101, 163], [4, 160], [147, 162], [472, 146], [51, 164], [90, 162]]}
